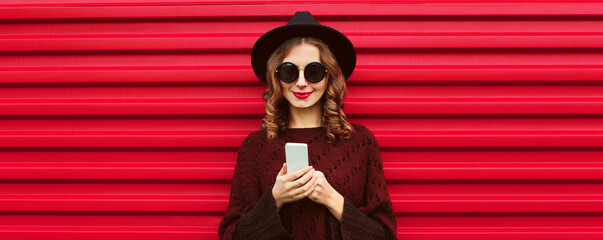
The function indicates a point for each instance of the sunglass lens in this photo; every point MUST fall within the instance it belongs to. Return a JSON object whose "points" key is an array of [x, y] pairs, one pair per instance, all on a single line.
{"points": [[287, 72], [314, 72]]}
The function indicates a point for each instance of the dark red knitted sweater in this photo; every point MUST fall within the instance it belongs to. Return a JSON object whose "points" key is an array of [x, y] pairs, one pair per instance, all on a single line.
{"points": [[353, 167]]}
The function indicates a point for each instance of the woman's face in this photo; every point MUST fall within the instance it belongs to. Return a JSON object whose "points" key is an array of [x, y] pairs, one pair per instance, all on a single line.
{"points": [[302, 93]]}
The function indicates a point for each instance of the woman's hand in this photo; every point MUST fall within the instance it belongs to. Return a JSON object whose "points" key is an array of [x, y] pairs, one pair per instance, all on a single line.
{"points": [[290, 187], [327, 196]]}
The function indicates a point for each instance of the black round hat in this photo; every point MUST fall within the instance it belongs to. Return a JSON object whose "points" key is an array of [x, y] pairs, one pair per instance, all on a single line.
{"points": [[302, 24]]}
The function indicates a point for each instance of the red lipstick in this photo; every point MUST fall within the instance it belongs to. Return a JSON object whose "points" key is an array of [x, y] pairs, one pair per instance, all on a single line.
{"points": [[302, 94]]}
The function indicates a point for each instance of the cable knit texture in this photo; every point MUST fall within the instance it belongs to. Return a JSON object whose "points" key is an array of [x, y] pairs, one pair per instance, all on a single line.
{"points": [[353, 167]]}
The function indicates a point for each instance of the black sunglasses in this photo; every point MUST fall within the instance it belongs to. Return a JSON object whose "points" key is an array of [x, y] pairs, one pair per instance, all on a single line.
{"points": [[289, 72]]}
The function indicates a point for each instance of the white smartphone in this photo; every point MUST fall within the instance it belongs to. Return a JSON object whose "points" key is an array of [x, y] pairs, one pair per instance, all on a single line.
{"points": [[296, 155]]}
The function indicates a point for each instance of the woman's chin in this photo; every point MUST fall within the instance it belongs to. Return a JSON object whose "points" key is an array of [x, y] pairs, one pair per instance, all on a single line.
{"points": [[300, 105]]}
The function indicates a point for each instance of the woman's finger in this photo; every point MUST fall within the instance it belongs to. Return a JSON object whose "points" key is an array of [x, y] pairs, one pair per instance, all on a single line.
{"points": [[308, 178], [309, 187], [283, 170], [303, 179], [304, 190], [295, 175]]}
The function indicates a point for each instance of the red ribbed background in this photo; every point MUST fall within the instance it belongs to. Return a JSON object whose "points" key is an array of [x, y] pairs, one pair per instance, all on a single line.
{"points": [[122, 119]]}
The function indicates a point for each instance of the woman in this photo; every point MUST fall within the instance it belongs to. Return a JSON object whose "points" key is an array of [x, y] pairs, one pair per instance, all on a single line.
{"points": [[342, 195]]}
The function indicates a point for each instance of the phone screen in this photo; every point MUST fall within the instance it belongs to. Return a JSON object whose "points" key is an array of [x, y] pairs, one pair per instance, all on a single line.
{"points": [[296, 155]]}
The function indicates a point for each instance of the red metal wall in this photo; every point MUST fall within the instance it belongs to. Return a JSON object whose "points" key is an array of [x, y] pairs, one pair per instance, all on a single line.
{"points": [[122, 119]]}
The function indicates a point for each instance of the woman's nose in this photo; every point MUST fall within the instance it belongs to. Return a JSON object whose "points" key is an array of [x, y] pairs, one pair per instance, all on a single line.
{"points": [[301, 80]]}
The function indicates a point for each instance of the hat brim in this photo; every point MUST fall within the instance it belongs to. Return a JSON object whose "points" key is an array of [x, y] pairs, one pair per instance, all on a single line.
{"points": [[338, 43]]}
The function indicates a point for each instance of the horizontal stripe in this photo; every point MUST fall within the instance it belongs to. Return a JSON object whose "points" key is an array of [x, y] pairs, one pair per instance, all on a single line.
{"points": [[224, 171], [244, 42], [284, 11]]}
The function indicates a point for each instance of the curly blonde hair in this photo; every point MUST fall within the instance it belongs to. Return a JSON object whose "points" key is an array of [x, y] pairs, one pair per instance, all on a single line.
{"points": [[277, 107]]}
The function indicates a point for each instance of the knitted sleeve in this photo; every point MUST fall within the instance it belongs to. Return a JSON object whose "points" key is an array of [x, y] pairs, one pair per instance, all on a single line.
{"points": [[251, 214], [375, 218]]}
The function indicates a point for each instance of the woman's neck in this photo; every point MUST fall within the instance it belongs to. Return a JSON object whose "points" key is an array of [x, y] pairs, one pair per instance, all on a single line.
{"points": [[305, 117]]}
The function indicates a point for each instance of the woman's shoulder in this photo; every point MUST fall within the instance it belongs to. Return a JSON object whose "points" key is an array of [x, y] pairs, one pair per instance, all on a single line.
{"points": [[362, 131], [252, 142], [257, 136]]}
